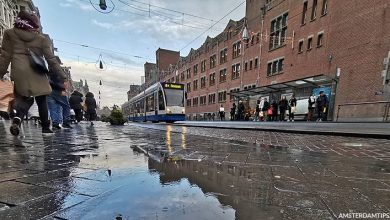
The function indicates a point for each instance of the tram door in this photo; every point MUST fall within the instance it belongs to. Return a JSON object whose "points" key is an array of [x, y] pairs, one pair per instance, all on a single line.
{"points": [[155, 103]]}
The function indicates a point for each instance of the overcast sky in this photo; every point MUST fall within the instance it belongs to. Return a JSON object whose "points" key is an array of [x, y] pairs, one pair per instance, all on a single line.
{"points": [[129, 29]]}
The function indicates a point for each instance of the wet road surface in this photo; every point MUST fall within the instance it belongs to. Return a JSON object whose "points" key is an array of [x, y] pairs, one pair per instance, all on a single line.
{"points": [[159, 171]]}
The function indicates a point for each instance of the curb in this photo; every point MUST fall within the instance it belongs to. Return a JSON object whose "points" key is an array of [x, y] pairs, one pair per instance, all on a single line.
{"points": [[332, 133]]}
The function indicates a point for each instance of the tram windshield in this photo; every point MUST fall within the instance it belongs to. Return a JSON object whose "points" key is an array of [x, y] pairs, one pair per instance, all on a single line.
{"points": [[174, 97]]}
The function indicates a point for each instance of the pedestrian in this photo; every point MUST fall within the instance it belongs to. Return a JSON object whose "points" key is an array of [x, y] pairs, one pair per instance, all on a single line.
{"points": [[29, 81], [213, 116], [283, 103], [311, 107], [274, 106], [241, 110], [292, 108], [233, 112], [90, 103], [222, 113], [58, 104], [257, 112], [265, 109], [75, 101], [321, 102]]}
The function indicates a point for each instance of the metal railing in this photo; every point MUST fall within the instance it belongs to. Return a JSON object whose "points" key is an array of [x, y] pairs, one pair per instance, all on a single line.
{"points": [[385, 115]]}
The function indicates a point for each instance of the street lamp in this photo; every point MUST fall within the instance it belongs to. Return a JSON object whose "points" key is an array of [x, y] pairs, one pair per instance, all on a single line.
{"points": [[103, 4]]}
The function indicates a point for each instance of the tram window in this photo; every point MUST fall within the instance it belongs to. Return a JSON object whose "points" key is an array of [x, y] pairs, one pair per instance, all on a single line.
{"points": [[150, 103], [161, 105]]}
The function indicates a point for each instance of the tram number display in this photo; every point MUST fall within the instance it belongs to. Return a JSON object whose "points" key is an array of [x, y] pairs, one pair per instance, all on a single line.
{"points": [[173, 86]]}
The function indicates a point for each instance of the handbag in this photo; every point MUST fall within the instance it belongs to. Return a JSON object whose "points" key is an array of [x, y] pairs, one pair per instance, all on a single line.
{"points": [[270, 111], [293, 109], [6, 95], [38, 62]]}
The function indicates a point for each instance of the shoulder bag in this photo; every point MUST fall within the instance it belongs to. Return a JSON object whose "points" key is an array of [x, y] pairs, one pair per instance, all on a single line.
{"points": [[37, 62]]}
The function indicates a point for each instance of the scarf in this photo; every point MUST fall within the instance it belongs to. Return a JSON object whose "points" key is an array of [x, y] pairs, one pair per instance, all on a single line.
{"points": [[26, 24]]}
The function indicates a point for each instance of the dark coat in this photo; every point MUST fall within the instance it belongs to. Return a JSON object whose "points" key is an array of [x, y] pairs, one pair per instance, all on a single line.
{"points": [[274, 107], [90, 102], [28, 82], [75, 100], [292, 102], [283, 103], [322, 101], [265, 106]]}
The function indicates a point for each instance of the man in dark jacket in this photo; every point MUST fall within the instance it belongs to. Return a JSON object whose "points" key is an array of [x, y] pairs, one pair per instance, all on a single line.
{"points": [[283, 103], [233, 112], [75, 101], [321, 102], [90, 102], [58, 103]]}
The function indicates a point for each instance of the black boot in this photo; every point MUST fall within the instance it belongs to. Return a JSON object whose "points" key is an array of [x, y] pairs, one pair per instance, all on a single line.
{"points": [[15, 127], [67, 125]]}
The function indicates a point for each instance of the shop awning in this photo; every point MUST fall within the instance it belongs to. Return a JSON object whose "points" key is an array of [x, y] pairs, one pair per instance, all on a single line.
{"points": [[313, 81]]}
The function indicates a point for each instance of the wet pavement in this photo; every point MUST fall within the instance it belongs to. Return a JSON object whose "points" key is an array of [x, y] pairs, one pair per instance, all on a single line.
{"points": [[159, 171]]}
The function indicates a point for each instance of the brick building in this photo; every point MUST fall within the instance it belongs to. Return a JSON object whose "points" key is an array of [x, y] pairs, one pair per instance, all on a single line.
{"points": [[133, 91], [151, 75], [294, 47]]}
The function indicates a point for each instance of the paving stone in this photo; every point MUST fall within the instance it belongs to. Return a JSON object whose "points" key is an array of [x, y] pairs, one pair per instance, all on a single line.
{"points": [[14, 192]]}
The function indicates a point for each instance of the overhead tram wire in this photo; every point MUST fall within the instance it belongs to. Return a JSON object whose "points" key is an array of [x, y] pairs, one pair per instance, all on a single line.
{"points": [[231, 11], [101, 49], [160, 14]]}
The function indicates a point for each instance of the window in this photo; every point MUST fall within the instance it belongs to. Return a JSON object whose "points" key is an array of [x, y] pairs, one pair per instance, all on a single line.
{"points": [[195, 69], [233, 90], [278, 31], [275, 67], [213, 61], [257, 38], [314, 10], [250, 64], [324, 7], [195, 101], [195, 85], [300, 46], [304, 13], [223, 56], [309, 43], [182, 76], [203, 100], [203, 66], [246, 66], [237, 49], [212, 98], [320, 39], [222, 96], [236, 71], [222, 76], [188, 102], [188, 71], [189, 87], [202, 82], [212, 79], [177, 79], [256, 62]]}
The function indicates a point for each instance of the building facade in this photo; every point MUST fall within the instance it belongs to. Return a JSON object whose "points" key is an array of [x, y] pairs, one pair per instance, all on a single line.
{"points": [[133, 91], [151, 75], [294, 47]]}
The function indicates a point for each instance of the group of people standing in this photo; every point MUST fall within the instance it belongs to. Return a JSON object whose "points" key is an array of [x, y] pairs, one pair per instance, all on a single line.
{"points": [[269, 112], [21, 45], [276, 110]]}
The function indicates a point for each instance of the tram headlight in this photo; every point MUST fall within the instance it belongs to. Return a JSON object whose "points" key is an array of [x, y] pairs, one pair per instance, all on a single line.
{"points": [[169, 111], [183, 111]]}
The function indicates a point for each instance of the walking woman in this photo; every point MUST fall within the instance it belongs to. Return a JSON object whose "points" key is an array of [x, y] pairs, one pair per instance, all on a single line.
{"points": [[90, 103], [29, 83], [293, 108]]}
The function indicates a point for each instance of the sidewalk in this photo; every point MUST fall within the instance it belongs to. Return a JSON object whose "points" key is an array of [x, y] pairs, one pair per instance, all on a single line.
{"points": [[370, 130]]}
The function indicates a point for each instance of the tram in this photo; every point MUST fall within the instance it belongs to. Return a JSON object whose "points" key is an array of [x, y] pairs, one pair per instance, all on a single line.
{"points": [[161, 102]]}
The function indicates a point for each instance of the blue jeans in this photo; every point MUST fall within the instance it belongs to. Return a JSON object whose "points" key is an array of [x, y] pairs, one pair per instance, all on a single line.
{"points": [[59, 108]]}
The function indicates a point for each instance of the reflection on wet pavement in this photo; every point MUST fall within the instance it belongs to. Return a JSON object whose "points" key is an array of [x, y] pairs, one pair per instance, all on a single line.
{"points": [[159, 171]]}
